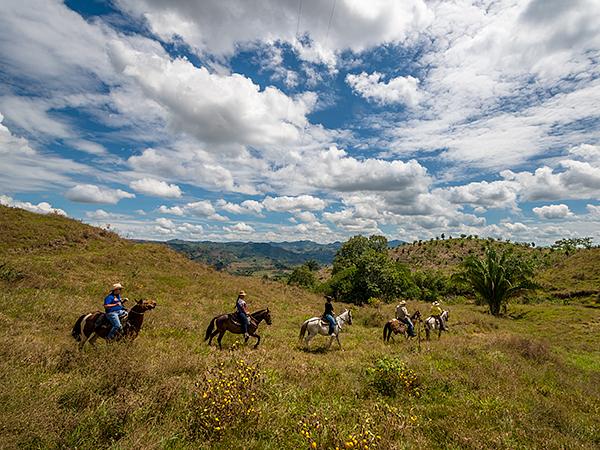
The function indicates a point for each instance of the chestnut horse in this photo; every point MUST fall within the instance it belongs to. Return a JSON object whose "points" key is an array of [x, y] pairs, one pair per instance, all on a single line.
{"points": [[86, 329], [398, 327], [225, 323]]}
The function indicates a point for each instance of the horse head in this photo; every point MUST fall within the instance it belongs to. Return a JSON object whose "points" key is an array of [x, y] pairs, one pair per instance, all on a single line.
{"points": [[446, 315], [268, 317], [144, 305]]}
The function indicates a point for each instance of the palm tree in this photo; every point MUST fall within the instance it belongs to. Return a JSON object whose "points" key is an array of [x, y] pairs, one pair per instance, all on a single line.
{"points": [[496, 277]]}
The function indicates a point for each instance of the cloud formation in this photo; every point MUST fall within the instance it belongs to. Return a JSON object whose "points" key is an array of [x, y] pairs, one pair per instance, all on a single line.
{"points": [[396, 90], [90, 193], [157, 188]]}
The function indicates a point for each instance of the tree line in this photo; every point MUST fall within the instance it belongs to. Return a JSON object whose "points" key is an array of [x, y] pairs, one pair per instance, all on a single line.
{"points": [[363, 271]]}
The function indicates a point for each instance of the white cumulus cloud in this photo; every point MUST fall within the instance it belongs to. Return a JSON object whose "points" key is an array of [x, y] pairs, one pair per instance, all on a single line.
{"points": [[301, 202], [397, 90], [552, 211], [150, 186], [90, 193], [40, 208], [240, 227]]}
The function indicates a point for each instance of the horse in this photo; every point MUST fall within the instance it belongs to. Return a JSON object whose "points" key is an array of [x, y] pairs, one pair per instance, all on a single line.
{"points": [[395, 326], [432, 324], [87, 330], [316, 325], [225, 322]]}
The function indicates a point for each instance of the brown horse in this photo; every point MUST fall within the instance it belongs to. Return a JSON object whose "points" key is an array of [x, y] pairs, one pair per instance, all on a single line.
{"points": [[225, 323], [397, 327], [87, 330]]}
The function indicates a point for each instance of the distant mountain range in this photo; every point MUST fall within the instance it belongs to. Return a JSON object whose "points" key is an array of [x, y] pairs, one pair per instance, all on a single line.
{"points": [[247, 258]]}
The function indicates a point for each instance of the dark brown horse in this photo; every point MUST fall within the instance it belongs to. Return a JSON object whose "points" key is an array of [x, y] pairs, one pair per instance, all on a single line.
{"points": [[86, 328], [397, 327], [226, 322]]}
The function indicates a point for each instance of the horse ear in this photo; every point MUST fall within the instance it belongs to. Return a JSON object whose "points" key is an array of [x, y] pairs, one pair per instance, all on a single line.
{"points": [[140, 301]]}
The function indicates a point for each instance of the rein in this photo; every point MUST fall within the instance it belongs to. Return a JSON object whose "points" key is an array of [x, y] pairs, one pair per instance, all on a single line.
{"points": [[135, 312]]}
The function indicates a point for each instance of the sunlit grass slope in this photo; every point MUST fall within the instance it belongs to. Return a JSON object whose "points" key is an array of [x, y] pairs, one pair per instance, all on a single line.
{"points": [[531, 380]]}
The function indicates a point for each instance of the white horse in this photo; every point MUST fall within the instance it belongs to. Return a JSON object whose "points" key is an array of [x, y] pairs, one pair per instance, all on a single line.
{"points": [[432, 324], [317, 325]]}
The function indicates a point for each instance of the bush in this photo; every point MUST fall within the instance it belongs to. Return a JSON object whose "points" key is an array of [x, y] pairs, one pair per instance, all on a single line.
{"points": [[224, 399], [391, 377], [302, 276]]}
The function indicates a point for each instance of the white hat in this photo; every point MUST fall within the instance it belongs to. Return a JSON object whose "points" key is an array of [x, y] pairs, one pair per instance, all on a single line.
{"points": [[116, 286], [436, 303], [402, 303]]}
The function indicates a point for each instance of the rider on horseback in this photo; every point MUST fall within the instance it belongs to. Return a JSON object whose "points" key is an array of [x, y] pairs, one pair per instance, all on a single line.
{"points": [[436, 313], [328, 315], [114, 309], [242, 312], [403, 316]]}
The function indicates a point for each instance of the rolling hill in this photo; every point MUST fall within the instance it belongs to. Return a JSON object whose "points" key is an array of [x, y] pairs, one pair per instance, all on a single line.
{"points": [[249, 258], [529, 380]]}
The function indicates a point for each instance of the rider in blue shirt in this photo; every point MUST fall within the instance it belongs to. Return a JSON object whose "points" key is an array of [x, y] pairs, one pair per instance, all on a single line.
{"points": [[242, 312], [328, 315], [114, 309]]}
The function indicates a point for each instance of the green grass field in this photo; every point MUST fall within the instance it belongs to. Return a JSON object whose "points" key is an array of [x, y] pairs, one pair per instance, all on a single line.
{"points": [[529, 380]]}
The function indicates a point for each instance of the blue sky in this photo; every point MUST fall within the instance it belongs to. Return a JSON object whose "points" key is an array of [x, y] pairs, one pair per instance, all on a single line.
{"points": [[304, 119]]}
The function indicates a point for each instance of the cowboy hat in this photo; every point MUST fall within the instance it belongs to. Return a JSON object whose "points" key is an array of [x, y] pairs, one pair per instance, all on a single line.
{"points": [[242, 294], [436, 303], [116, 286], [402, 303]]}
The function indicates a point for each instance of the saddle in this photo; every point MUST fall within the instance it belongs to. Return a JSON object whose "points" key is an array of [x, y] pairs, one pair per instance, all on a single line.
{"points": [[102, 321], [235, 319]]}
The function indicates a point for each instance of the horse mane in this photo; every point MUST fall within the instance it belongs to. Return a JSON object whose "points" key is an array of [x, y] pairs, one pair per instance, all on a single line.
{"points": [[259, 312]]}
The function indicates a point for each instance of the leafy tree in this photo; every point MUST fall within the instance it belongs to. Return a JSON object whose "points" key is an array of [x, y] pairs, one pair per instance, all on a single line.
{"points": [[353, 249], [570, 245], [496, 278], [312, 265], [363, 269], [302, 276]]}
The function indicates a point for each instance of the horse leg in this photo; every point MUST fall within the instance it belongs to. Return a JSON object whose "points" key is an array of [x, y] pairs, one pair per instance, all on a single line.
{"points": [[337, 336], [331, 338], [83, 341], [221, 334], [214, 333], [257, 340], [307, 340], [84, 338], [92, 339]]}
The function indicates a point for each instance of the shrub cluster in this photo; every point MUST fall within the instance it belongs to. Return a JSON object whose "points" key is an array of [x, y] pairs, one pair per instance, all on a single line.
{"points": [[225, 398], [321, 433], [390, 376]]}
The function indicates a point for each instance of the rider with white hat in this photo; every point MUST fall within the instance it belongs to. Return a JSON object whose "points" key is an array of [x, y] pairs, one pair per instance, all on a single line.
{"points": [[436, 313], [243, 313], [114, 309], [403, 316]]}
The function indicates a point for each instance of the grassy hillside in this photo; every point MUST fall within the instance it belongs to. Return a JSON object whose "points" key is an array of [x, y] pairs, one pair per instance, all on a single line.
{"points": [[446, 254], [530, 380]]}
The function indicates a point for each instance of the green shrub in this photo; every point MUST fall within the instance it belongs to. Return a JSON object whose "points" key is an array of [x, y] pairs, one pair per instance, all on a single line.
{"points": [[227, 397], [390, 376]]}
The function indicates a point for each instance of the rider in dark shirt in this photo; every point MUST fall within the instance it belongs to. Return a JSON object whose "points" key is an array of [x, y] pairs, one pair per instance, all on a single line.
{"points": [[328, 315], [242, 311]]}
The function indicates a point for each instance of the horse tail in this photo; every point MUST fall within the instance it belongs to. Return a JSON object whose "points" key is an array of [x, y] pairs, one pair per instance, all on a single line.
{"points": [[210, 328], [303, 329], [387, 330], [76, 332]]}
